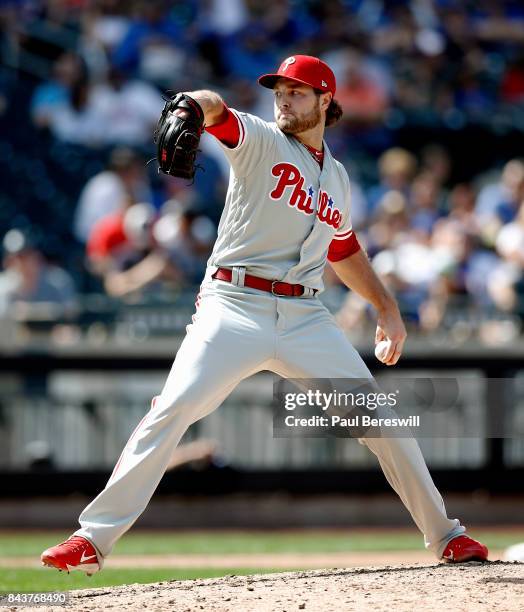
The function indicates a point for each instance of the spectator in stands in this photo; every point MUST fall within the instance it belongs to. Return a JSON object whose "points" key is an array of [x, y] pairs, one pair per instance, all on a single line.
{"points": [[401, 256], [414, 89], [512, 84], [119, 240], [362, 98], [397, 168], [397, 32], [471, 95], [435, 160], [207, 193], [507, 283], [155, 46], [107, 22], [76, 122], [65, 104], [222, 17], [463, 273], [120, 249], [44, 28], [250, 51], [390, 224], [29, 285], [498, 202], [52, 96], [409, 270], [107, 192], [126, 110], [461, 206], [186, 235], [133, 249], [287, 24], [425, 203], [499, 23]]}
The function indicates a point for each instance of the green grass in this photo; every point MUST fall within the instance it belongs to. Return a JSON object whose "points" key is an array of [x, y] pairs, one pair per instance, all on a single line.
{"points": [[25, 580], [224, 542]]}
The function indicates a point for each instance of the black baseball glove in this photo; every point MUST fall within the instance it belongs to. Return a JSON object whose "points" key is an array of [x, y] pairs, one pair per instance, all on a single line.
{"points": [[177, 137]]}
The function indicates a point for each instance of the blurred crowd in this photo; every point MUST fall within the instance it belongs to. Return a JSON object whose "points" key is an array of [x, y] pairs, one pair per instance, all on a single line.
{"points": [[103, 62], [448, 241], [452, 254]]}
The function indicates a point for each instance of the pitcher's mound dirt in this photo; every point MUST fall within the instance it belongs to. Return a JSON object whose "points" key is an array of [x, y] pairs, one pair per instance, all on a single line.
{"points": [[474, 586]]}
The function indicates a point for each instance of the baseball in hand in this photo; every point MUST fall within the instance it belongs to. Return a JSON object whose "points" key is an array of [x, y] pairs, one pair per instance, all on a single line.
{"points": [[381, 350]]}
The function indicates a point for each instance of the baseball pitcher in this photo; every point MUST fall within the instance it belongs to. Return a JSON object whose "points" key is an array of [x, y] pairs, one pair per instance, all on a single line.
{"points": [[287, 213]]}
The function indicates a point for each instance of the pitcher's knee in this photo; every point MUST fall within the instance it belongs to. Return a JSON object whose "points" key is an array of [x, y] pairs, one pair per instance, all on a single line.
{"points": [[185, 406], [397, 444]]}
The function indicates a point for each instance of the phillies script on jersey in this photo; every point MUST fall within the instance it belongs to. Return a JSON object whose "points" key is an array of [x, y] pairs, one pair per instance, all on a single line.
{"points": [[291, 183]]}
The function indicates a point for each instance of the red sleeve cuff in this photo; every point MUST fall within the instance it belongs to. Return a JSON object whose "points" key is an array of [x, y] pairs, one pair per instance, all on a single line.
{"points": [[340, 248], [227, 131]]}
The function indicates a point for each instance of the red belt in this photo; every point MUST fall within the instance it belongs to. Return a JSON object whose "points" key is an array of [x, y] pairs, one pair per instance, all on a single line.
{"points": [[277, 288]]}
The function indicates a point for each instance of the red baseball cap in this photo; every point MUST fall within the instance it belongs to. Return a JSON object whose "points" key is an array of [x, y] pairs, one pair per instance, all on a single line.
{"points": [[305, 69]]}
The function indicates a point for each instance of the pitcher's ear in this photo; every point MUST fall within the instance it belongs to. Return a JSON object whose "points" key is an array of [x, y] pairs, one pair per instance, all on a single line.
{"points": [[326, 101]]}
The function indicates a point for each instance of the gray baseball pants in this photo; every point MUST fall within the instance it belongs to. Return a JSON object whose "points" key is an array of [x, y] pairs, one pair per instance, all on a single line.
{"points": [[236, 332]]}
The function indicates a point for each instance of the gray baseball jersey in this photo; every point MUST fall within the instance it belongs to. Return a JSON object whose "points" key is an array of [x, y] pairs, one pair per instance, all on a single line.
{"points": [[280, 216]]}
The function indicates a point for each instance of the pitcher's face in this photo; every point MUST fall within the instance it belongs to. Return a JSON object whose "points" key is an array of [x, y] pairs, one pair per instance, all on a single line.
{"points": [[297, 106]]}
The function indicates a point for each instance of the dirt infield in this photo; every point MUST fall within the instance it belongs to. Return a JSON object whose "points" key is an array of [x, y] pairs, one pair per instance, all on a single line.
{"points": [[475, 586]]}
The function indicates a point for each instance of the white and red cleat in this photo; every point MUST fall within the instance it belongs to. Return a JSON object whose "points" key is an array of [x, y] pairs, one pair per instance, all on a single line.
{"points": [[76, 553], [463, 548]]}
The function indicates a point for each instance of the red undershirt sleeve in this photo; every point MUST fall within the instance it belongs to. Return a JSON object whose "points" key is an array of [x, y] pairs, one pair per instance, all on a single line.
{"points": [[343, 246], [227, 131]]}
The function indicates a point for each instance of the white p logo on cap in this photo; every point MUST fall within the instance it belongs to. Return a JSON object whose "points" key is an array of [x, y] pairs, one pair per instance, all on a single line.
{"points": [[287, 63]]}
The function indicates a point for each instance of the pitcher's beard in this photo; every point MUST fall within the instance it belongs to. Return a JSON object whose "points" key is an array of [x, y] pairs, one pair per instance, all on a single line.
{"points": [[296, 125]]}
